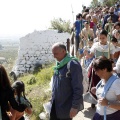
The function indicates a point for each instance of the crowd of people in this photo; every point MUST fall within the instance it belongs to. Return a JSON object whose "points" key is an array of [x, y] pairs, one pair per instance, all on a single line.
{"points": [[97, 47], [97, 50]]}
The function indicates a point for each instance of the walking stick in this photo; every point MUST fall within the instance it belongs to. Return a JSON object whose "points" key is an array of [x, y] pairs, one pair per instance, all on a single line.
{"points": [[109, 40], [85, 47]]}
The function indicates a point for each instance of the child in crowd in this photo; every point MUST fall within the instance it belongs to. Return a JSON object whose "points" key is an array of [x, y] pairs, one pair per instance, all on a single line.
{"points": [[99, 28], [116, 27], [102, 48], [19, 91], [117, 36], [85, 60], [117, 48], [97, 36]]}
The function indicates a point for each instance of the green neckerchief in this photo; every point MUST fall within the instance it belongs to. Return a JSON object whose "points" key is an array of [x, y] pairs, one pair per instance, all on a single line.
{"points": [[63, 62]]}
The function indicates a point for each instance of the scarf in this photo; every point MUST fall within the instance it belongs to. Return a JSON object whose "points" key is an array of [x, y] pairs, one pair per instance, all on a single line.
{"points": [[63, 62]]}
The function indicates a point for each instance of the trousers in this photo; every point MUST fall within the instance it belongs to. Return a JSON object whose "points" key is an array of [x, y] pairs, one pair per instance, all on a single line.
{"points": [[53, 115], [113, 116]]}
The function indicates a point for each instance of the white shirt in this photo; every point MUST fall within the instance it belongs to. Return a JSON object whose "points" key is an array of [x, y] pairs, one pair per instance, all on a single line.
{"points": [[117, 67], [117, 49], [111, 96], [102, 48]]}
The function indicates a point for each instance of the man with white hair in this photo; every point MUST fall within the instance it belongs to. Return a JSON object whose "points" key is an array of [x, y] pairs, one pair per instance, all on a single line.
{"points": [[67, 88]]}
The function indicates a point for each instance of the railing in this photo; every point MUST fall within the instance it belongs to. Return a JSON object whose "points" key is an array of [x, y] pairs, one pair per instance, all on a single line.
{"points": [[70, 44]]}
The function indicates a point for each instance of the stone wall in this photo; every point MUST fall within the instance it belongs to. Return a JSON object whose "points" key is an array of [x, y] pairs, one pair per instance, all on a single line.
{"points": [[35, 48]]}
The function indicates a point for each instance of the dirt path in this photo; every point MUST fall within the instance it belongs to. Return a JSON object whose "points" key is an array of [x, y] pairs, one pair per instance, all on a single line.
{"points": [[85, 114]]}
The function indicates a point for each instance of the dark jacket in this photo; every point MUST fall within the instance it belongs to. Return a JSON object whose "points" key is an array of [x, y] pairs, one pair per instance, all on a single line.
{"points": [[7, 95], [114, 19], [68, 89]]}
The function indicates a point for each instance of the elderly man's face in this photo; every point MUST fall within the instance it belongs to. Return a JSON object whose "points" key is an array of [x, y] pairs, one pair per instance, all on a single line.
{"points": [[58, 53]]}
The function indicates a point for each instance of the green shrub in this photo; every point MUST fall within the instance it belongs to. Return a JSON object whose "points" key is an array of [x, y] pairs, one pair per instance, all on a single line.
{"points": [[105, 2], [61, 25]]}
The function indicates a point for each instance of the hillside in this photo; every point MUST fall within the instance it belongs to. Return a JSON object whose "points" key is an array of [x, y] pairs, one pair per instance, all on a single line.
{"points": [[37, 84], [38, 89]]}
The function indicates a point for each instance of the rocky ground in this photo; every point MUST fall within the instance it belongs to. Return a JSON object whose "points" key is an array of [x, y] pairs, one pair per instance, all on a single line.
{"points": [[85, 114]]}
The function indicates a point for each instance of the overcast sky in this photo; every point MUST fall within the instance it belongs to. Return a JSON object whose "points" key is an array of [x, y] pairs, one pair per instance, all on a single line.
{"points": [[20, 17]]}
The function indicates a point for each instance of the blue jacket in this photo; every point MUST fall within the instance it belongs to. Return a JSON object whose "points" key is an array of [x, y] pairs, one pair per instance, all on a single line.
{"points": [[79, 24], [68, 89]]}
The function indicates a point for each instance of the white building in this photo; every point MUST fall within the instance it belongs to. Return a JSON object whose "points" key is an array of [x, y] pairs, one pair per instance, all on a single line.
{"points": [[35, 48]]}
